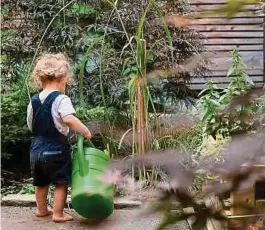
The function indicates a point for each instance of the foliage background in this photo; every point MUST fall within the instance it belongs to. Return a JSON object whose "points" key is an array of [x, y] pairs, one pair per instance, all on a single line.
{"points": [[99, 38], [91, 34]]}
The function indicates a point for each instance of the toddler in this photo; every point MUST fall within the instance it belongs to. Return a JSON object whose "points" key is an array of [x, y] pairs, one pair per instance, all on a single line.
{"points": [[50, 115]]}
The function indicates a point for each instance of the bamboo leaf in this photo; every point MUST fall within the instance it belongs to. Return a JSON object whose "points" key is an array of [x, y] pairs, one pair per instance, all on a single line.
{"points": [[132, 89], [164, 23], [139, 32]]}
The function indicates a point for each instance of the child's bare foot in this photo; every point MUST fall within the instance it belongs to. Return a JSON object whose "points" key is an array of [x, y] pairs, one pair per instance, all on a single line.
{"points": [[44, 213], [62, 218]]}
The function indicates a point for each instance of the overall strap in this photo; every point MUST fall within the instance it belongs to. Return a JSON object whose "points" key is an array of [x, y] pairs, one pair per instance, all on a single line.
{"points": [[43, 124], [35, 102], [50, 99]]}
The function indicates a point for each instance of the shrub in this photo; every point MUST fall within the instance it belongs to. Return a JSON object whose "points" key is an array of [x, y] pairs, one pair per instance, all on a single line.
{"points": [[214, 99]]}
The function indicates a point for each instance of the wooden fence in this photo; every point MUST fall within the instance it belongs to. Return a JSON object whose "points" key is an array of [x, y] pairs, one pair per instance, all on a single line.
{"points": [[244, 31]]}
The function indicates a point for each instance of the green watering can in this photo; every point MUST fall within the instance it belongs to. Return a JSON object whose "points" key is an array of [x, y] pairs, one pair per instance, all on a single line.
{"points": [[91, 197]]}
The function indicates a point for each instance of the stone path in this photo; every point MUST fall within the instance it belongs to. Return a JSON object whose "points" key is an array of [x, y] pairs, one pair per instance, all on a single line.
{"points": [[22, 218]]}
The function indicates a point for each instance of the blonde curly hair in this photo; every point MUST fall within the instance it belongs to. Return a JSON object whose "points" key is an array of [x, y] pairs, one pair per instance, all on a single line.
{"points": [[51, 67]]}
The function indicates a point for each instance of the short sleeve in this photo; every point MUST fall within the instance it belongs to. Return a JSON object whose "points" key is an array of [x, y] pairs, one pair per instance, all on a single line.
{"points": [[29, 116], [65, 107]]}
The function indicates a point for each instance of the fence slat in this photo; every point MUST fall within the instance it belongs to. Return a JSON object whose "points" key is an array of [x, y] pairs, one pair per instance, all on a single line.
{"points": [[205, 7], [245, 31], [226, 21], [234, 41], [202, 86], [224, 79], [227, 28], [226, 48], [232, 34], [207, 2], [222, 73]]}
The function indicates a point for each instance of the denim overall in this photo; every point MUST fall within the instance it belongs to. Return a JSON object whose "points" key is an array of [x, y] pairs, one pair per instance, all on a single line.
{"points": [[50, 157]]}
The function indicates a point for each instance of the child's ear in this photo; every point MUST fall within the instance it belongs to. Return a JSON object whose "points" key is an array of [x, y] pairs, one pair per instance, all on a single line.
{"points": [[65, 79]]}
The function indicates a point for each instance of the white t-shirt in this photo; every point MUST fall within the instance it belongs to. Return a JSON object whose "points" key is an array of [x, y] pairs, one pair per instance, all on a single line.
{"points": [[61, 107]]}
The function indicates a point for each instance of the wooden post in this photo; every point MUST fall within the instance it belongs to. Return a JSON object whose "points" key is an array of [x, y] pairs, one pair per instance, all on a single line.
{"points": [[241, 217], [263, 49], [215, 204], [242, 197]]}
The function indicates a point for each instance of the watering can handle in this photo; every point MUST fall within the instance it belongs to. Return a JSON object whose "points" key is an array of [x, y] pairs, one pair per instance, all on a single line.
{"points": [[82, 161], [89, 143]]}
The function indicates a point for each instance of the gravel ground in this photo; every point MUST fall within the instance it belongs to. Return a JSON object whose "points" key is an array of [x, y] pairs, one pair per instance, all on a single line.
{"points": [[22, 218]]}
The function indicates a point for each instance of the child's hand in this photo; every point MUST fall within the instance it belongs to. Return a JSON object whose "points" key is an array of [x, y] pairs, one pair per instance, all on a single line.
{"points": [[88, 136]]}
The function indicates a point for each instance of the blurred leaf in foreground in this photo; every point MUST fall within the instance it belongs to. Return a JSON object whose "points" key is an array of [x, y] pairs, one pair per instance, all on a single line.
{"points": [[231, 8]]}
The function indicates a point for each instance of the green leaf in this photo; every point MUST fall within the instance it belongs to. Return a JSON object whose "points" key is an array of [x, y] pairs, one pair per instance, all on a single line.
{"points": [[91, 64], [139, 33], [82, 9], [203, 91], [230, 71], [215, 102], [249, 80], [150, 56], [132, 89], [126, 72]]}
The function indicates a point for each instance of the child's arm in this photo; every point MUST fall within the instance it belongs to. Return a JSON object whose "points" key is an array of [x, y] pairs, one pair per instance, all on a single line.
{"points": [[67, 111], [75, 124]]}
